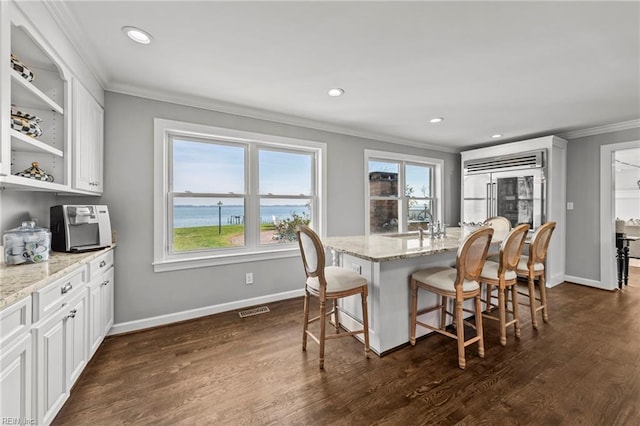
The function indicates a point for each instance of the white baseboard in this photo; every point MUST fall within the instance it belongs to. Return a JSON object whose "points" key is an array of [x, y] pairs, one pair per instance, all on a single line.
{"points": [[129, 326], [555, 280], [585, 281]]}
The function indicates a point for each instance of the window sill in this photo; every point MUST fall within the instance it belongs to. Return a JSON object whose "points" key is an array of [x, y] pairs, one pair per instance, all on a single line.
{"points": [[219, 260]]}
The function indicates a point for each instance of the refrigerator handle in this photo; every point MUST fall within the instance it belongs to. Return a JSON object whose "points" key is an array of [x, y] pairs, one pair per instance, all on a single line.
{"points": [[489, 200], [494, 199]]}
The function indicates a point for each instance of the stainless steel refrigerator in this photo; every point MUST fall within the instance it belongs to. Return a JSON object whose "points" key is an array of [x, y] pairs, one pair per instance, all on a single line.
{"points": [[511, 186]]}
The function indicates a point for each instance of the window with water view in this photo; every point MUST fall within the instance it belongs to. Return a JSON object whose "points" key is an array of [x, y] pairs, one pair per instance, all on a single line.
{"points": [[237, 195]]}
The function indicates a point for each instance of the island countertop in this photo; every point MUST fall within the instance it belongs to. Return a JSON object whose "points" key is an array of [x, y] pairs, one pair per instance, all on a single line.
{"points": [[19, 281], [386, 247]]}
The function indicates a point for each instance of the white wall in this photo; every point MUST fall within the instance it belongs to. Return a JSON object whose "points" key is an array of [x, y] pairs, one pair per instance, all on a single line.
{"points": [[139, 292]]}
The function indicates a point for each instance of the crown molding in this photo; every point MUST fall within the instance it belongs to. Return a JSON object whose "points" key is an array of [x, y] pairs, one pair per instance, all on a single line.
{"points": [[68, 24], [598, 130], [261, 114]]}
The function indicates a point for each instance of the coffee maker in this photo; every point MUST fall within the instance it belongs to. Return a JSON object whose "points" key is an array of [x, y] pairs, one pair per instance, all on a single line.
{"points": [[78, 228]]}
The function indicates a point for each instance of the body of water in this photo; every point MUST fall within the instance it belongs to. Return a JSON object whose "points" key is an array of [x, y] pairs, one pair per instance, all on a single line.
{"points": [[191, 216]]}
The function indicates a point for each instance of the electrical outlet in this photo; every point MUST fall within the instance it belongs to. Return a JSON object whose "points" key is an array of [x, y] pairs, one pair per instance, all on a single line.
{"points": [[249, 278], [356, 268]]}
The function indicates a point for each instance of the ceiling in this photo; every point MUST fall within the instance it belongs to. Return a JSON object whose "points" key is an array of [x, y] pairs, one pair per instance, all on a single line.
{"points": [[521, 69]]}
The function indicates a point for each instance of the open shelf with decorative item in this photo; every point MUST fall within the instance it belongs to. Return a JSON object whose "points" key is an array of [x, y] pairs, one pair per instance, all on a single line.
{"points": [[40, 95]]}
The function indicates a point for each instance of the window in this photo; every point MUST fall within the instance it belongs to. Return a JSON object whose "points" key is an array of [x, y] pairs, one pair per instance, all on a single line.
{"points": [[227, 196], [402, 191]]}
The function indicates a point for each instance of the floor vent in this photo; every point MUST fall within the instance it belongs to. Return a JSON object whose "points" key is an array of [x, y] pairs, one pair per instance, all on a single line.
{"points": [[254, 311]]}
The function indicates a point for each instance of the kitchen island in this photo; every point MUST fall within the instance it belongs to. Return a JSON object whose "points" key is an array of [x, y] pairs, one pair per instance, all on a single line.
{"points": [[387, 262]]}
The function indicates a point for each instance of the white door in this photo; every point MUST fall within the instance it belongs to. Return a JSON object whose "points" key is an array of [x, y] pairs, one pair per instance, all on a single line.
{"points": [[95, 316], [107, 301], [51, 365], [475, 197], [15, 380], [77, 338], [88, 140]]}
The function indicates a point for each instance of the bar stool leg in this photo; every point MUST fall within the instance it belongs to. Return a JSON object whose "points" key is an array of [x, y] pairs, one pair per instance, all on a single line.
{"points": [[365, 323], [443, 312], [305, 321], [543, 297], [460, 334], [323, 324], [479, 328], [502, 307], [532, 301], [514, 307], [414, 310]]}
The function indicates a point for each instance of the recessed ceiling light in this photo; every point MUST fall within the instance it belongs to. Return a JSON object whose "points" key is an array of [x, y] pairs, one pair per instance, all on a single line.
{"points": [[137, 35], [336, 92], [436, 120], [496, 136]]}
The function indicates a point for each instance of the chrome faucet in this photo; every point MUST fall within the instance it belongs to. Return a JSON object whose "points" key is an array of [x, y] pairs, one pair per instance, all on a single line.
{"points": [[421, 233], [438, 230]]}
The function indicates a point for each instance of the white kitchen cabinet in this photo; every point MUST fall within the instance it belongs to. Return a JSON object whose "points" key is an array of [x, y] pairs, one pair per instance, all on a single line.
{"points": [[29, 31], [61, 341], [61, 335], [88, 140], [46, 96], [47, 338], [77, 338], [16, 361], [101, 308], [51, 344]]}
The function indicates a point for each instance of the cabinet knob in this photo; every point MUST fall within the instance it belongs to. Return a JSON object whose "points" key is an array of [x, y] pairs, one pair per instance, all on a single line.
{"points": [[105, 282], [104, 262], [66, 288], [72, 313]]}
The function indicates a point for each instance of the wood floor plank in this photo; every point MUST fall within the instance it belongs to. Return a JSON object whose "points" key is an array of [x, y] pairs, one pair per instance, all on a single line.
{"points": [[583, 367]]}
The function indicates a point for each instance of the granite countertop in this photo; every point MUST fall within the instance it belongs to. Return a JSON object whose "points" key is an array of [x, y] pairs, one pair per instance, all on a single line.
{"points": [[386, 247], [19, 281]]}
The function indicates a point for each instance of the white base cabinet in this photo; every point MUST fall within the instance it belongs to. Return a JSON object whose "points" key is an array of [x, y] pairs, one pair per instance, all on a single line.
{"points": [[16, 365], [47, 340], [62, 347], [101, 307], [50, 366]]}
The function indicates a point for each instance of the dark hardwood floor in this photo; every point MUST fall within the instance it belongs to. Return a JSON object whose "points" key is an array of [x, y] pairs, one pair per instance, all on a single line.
{"points": [[583, 367]]}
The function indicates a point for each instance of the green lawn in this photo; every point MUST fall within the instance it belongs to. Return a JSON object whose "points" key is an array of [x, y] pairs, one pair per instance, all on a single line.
{"points": [[203, 237]]}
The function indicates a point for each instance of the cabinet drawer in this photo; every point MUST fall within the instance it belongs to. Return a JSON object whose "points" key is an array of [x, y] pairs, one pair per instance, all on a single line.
{"points": [[14, 321], [57, 294], [100, 264]]}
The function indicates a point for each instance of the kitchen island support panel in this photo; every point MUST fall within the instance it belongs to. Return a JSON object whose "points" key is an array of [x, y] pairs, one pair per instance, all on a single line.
{"points": [[389, 298]]}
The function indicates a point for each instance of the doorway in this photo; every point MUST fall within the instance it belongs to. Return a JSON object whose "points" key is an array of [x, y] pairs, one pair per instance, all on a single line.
{"points": [[619, 197]]}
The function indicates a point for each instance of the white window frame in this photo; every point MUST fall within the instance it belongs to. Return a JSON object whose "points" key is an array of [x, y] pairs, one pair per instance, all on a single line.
{"points": [[163, 260], [438, 186]]}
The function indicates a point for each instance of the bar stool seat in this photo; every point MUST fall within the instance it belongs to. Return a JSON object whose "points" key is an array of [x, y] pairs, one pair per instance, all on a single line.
{"points": [[442, 278]]}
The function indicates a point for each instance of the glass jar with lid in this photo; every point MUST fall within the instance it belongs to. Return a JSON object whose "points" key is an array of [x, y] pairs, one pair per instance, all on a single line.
{"points": [[26, 244]]}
